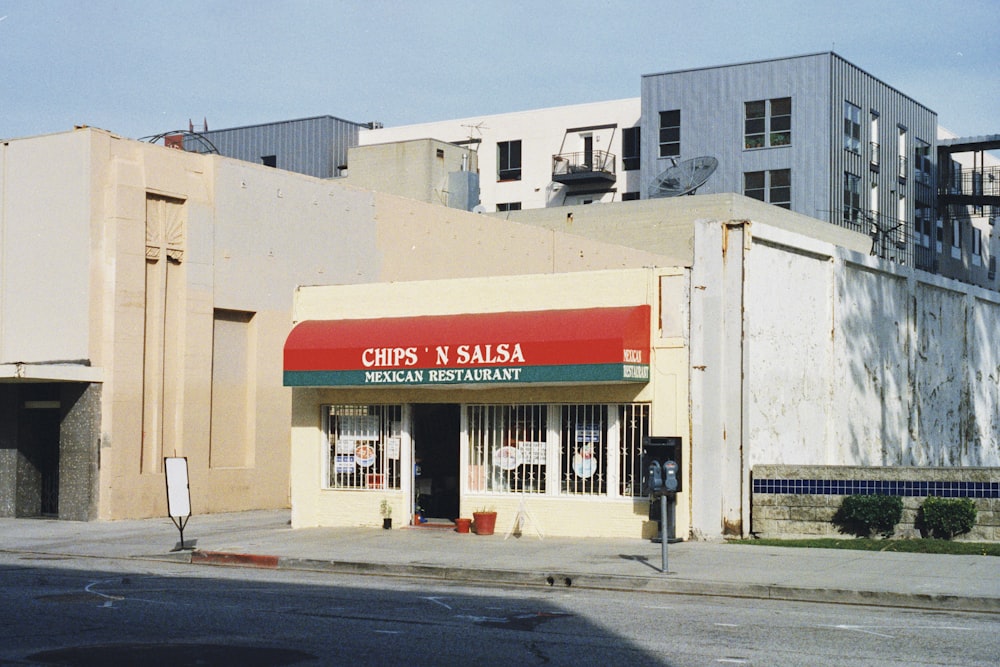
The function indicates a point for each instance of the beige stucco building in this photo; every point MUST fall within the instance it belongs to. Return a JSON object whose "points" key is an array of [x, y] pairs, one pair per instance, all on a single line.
{"points": [[146, 294]]}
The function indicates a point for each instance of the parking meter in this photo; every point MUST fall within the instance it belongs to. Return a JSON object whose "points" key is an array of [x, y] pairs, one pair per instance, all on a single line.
{"points": [[661, 466], [670, 480], [661, 481]]}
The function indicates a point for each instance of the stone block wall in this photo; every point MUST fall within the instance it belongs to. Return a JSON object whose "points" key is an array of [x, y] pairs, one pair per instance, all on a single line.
{"points": [[800, 501]]}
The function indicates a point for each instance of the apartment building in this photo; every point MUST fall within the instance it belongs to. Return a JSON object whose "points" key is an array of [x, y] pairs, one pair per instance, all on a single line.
{"points": [[578, 154]]}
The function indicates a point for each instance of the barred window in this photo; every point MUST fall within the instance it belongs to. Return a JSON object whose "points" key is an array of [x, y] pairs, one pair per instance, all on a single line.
{"points": [[584, 468], [508, 448], [557, 449], [633, 427], [364, 446]]}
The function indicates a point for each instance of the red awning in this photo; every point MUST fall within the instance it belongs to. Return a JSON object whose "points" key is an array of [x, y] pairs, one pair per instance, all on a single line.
{"points": [[592, 344]]}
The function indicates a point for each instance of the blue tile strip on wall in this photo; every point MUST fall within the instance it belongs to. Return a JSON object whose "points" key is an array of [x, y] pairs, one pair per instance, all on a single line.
{"points": [[850, 487]]}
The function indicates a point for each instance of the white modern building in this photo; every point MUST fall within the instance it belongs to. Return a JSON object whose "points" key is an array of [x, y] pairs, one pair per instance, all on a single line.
{"points": [[579, 154]]}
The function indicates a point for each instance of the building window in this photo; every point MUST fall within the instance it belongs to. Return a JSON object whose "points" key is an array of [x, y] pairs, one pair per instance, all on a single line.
{"points": [[767, 123], [852, 198], [630, 148], [852, 128], [583, 450], [956, 238], [977, 246], [922, 223], [670, 133], [630, 196], [269, 160], [781, 121], [773, 187], [633, 428], [922, 162], [901, 144], [509, 160], [580, 450], [509, 206], [364, 443], [508, 448], [901, 228], [873, 140], [939, 237]]}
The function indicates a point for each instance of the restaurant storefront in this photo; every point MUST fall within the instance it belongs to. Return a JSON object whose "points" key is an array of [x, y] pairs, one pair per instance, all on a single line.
{"points": [[537, 414]]}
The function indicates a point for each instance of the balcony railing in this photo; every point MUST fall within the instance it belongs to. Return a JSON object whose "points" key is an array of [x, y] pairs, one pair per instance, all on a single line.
{"points": [[583, 167], [892, 238], [970, 187]]}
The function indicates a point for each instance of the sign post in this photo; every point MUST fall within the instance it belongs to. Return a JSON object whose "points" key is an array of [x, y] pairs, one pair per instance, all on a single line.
{"points": [[178, 493]]}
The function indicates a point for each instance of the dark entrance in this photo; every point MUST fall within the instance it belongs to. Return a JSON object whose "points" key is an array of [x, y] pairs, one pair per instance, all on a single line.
{"points": [[435, 446], [38, 441]]}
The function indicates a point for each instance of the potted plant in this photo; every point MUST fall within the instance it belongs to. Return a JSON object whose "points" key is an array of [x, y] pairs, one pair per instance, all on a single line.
{"points": [[485, 521], [385, 509]]}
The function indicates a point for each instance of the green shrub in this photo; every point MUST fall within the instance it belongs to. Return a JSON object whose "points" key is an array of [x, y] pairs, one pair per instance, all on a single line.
{"points": [[867, 514], [946, 517]]}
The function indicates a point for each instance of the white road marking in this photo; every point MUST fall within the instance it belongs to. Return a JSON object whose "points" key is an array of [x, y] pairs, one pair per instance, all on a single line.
{"points": [[108, 599], [861, 628], [727, 625], [436, 600]]}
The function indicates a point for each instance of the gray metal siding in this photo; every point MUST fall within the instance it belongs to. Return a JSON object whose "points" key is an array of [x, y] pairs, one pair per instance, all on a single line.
{"points": [[712, 114], [312, 146], [894, 109]]}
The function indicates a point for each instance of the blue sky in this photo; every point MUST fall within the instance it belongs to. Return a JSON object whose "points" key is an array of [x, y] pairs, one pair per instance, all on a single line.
{"points": [[139, 68]]}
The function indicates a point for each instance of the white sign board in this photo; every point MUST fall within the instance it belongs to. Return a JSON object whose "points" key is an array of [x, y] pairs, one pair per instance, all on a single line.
{"points": [[178, 490]]}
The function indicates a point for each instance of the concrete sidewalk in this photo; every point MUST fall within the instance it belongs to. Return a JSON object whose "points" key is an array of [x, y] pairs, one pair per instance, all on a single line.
{"points": [[265, 539]]}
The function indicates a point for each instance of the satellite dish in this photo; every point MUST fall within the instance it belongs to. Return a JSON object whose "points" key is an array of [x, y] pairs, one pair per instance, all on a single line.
{"points": [[479, 208], [682, 178]]}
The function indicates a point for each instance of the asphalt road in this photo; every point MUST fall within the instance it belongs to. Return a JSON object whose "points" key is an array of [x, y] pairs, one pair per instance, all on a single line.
{"points": [[70, 611]]}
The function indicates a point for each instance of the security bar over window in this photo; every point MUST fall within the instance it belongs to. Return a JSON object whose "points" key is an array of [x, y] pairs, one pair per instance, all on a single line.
{"points": [[364, 446]]}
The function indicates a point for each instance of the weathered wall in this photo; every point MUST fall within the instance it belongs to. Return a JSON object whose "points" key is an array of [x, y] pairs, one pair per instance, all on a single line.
{"points": [[857, 362], [821, 356]]}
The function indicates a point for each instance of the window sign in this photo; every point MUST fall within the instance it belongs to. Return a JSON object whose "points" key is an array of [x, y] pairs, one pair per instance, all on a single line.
{"points": [[343, 464]]}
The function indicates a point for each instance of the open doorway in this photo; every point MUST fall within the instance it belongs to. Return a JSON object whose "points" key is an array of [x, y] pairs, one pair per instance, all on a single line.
{"points": [[38, 443], [436, 452]]}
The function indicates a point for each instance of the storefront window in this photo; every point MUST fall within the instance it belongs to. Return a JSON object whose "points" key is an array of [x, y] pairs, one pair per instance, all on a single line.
{"points": [[583, 451], [633, 427], [508, 448], [364, 446], [586, 450]]}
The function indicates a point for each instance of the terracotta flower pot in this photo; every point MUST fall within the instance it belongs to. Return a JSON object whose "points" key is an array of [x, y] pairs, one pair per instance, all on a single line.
{"points": [[485, 522], [462, 525]]}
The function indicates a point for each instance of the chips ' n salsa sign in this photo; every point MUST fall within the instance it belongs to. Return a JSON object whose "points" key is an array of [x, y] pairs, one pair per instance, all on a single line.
{"points": [[564, 346]]}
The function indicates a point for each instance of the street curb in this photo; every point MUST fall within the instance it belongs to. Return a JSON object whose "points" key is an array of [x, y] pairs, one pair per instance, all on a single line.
{"points": [[665, 583], [237, 560]]}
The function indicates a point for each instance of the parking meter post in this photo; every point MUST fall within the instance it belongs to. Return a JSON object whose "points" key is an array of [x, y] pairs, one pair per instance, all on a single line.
{"points": [[663, 532]]}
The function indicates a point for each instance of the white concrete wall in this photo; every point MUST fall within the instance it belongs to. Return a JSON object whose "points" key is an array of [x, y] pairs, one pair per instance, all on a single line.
{"points": [[542, 133], [821, 356]]}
